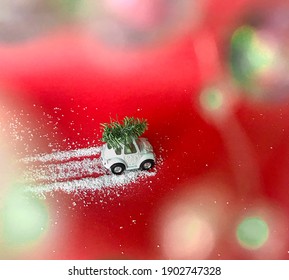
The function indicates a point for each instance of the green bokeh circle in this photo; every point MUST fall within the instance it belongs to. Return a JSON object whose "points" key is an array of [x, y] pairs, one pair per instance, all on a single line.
{"points": [[252, 233]]}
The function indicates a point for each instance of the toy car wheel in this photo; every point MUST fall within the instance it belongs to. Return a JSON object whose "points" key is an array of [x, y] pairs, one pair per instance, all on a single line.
{"points": [[117, 168], [147, 164]]}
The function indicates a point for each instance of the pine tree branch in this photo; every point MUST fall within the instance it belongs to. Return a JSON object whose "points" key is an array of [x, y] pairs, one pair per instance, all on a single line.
{"points": [[116, 134]]}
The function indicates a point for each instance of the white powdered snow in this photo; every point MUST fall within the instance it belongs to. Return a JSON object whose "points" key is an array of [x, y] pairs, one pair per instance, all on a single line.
{"points": [[68, 171], [63, 155], [91, 183], [61, 171]]}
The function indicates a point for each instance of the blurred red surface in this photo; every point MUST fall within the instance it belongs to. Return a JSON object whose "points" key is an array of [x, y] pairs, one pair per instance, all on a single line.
{"points": [[69, 70]]}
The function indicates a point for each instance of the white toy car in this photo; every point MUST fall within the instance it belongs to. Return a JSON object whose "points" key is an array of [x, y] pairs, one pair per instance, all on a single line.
{"points": [[137, 155]]}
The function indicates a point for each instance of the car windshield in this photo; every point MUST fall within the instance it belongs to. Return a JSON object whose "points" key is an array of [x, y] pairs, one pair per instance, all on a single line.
{"points": [[118, 151]]}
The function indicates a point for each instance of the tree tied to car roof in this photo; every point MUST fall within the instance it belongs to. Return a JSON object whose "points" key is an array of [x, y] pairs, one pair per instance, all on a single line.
{"points": [[116, 133]]}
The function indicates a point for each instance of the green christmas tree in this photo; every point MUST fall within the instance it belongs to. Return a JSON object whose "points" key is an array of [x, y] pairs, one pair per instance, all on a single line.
{"points": [[116, 133]]}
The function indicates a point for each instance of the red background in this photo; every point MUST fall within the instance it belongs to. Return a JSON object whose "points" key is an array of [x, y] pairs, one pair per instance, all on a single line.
{"points": [[162, 83]]}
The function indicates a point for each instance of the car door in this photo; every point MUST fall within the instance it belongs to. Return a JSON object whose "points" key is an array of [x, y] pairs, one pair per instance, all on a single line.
{"points": [[131, 155]]}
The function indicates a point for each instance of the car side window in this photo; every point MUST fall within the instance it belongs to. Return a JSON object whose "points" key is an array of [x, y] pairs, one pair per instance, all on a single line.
{"points": [[139, 144], [130, 149]]}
